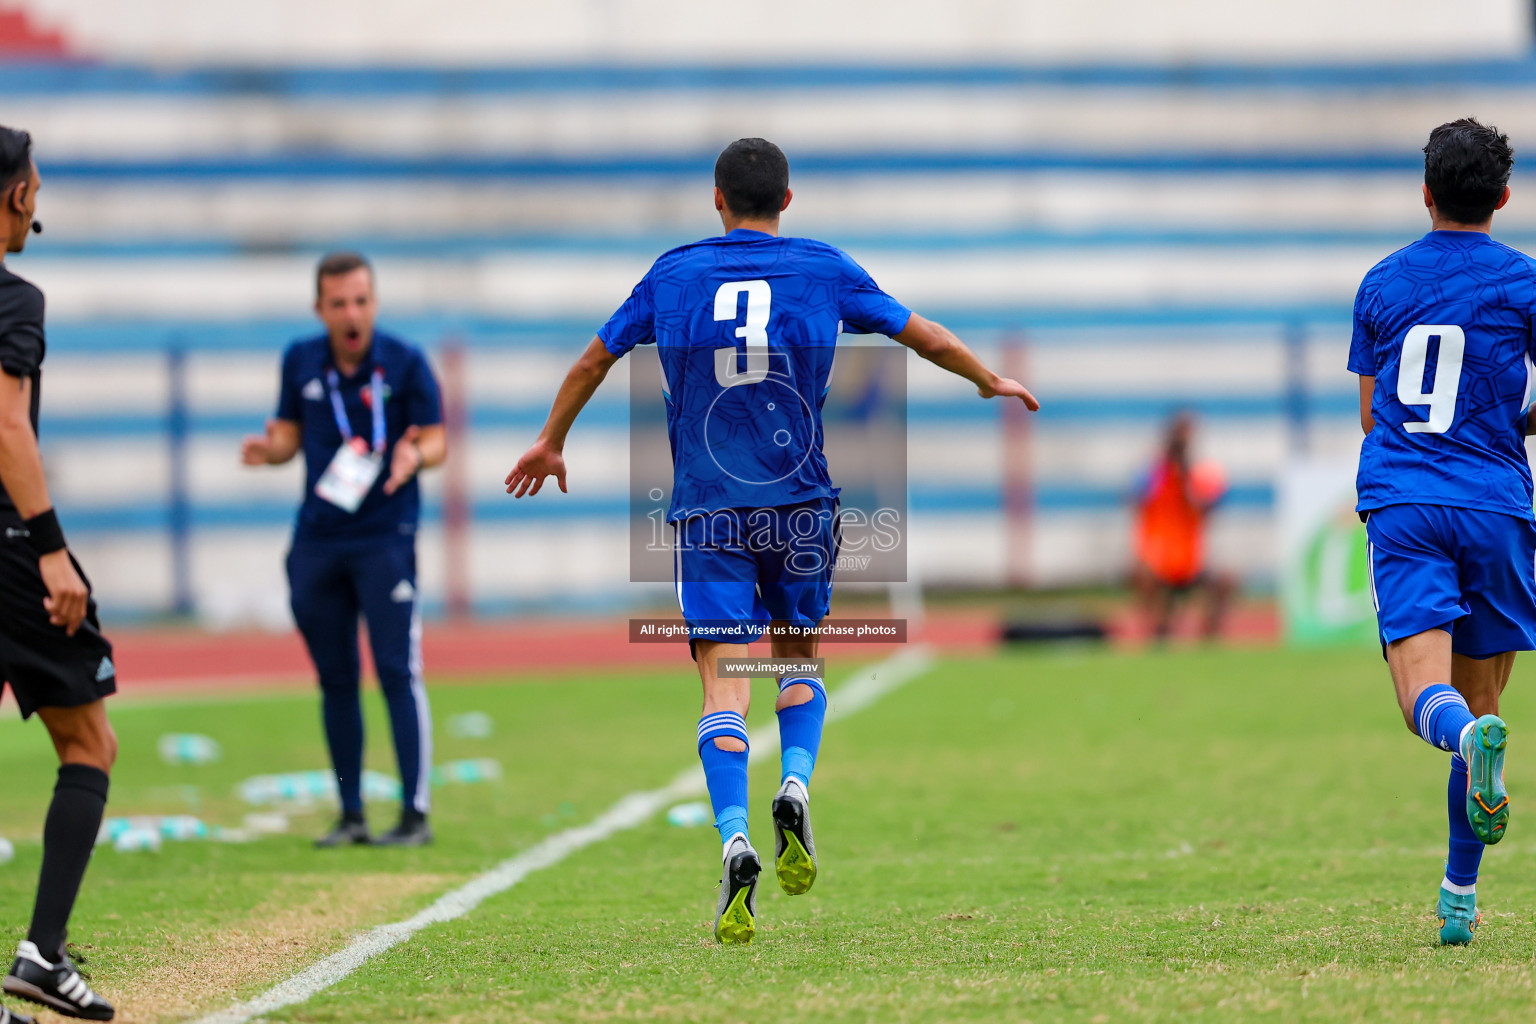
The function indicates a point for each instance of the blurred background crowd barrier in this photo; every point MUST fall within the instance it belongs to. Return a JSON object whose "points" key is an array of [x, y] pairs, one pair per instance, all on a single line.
{"points": [[1135, 207]]}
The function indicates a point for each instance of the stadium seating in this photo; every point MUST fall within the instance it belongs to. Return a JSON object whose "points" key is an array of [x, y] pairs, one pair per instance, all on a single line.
{"points": [[1142, 238], [481, 32]]}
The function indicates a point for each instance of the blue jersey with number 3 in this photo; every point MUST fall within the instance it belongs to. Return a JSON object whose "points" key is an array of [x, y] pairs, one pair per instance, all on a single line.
{"points": [[746, 326], [1445, 326]]}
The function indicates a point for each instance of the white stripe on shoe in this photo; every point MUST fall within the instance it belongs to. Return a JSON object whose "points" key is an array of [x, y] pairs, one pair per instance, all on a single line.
{"points": [[27, 950]]}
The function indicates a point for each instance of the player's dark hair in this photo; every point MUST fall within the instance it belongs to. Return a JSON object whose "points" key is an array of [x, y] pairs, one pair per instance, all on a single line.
{"points": [[754, 177], [337, 263], [1466, 166], [15, 156]]}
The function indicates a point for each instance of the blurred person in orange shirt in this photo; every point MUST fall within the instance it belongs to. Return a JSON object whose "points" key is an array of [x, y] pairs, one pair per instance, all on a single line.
{"points": [[1174, 500]]}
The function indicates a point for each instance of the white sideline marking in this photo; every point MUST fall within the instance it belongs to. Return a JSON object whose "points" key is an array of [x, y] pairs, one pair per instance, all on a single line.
{"points": [[631, 811]]}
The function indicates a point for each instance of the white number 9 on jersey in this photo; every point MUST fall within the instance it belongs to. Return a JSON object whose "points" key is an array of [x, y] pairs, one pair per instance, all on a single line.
{"points": [[755, 331], [1441, 397]]}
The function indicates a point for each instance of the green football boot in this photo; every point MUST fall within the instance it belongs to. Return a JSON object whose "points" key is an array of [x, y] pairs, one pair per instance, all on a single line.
{"points": [[736, 916], [1458, 917], [1487, 803], [794, 850]]}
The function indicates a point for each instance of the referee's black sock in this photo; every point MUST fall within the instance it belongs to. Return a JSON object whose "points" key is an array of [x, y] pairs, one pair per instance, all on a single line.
{"points": [[69, 836]]}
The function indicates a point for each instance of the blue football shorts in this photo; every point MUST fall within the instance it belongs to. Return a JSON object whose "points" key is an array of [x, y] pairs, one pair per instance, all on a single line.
{"points": [[1469, 572], [739, 569]]}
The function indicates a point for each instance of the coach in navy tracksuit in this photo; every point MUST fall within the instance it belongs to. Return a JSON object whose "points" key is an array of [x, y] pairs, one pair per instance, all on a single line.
{"points": [[365, 409]]}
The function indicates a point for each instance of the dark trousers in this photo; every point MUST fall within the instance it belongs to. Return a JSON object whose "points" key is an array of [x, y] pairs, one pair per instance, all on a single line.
{"points": [[331, 583]]}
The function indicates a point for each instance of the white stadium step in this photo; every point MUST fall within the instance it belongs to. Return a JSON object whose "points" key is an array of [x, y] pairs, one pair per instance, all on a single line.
{"points": [[849, 120], [494, 31], [1110, 210], [592, 286], [448, 216]]}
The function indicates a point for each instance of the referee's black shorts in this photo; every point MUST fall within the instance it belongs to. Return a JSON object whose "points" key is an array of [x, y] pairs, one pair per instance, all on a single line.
{"points": [[43, 665]]}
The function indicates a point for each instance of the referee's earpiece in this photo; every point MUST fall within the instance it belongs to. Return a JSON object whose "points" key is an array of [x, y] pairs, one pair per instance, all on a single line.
{"points": [[37, 227]]}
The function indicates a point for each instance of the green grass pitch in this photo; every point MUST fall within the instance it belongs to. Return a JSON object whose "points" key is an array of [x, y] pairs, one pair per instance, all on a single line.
{"points": [[1074, 835]]}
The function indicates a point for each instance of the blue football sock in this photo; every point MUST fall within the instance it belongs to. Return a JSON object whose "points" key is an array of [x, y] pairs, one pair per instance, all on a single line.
{"points": [[1441, 715], [1466, 851], [725, 771], [800, 730]]}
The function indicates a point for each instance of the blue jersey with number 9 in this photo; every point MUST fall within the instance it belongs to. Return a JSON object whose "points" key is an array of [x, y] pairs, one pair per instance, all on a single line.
{"points": [[1445, 326], [746, 325]]}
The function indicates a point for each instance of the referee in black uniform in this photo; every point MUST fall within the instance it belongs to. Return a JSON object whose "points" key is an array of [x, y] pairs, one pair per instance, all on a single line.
{"points": [[52, 653]]}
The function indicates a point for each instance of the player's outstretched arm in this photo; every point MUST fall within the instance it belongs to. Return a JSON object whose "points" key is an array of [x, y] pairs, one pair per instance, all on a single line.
{"points": [[21, 471], [545, 457], [938, 344]]}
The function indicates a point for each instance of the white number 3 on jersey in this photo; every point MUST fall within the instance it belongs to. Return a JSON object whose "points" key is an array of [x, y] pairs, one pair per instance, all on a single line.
{"points": [[1441, 397], [755, 331]]}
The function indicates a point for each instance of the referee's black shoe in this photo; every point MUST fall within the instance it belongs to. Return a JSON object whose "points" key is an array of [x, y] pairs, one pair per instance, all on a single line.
{"points": [[350, 830], [57, 986], [413, 830], [12, 1017]]}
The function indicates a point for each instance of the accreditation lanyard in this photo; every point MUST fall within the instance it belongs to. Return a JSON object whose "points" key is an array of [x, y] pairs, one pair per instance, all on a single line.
{"points": [[377, 400]]}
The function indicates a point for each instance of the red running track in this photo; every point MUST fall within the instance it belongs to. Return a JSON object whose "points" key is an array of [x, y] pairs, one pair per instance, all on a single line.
{"points": [[165, 660], [161, 660]]}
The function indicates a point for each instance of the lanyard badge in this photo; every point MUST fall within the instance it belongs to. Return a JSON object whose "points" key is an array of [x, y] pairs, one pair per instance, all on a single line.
{"points": [[355, 468], [376, 398]]}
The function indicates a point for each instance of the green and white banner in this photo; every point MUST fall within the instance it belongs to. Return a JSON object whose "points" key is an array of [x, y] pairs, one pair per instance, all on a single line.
{"points": [[1325, 581]]}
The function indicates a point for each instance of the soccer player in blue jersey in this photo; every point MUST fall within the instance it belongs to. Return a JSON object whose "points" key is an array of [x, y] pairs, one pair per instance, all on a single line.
{"points": [[746, 325], [1443, 345]]}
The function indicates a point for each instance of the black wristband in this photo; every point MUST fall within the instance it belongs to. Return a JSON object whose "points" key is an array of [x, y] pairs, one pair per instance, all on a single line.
{"points": [[44, 533]]}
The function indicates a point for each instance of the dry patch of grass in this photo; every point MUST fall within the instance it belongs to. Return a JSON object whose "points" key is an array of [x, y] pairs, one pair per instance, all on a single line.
{"points": [[312, 917]]}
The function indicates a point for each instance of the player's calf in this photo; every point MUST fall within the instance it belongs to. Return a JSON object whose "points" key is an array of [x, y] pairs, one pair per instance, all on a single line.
{"points": [[1458, 891], [1441, 717], [723, 751], [82, 735], [802, 712], [800, 726], [69, 836]]}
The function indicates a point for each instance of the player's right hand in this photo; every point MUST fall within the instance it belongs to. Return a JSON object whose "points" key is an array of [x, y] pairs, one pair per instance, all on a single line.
{"points": [[540, 461], [67, 592]]}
